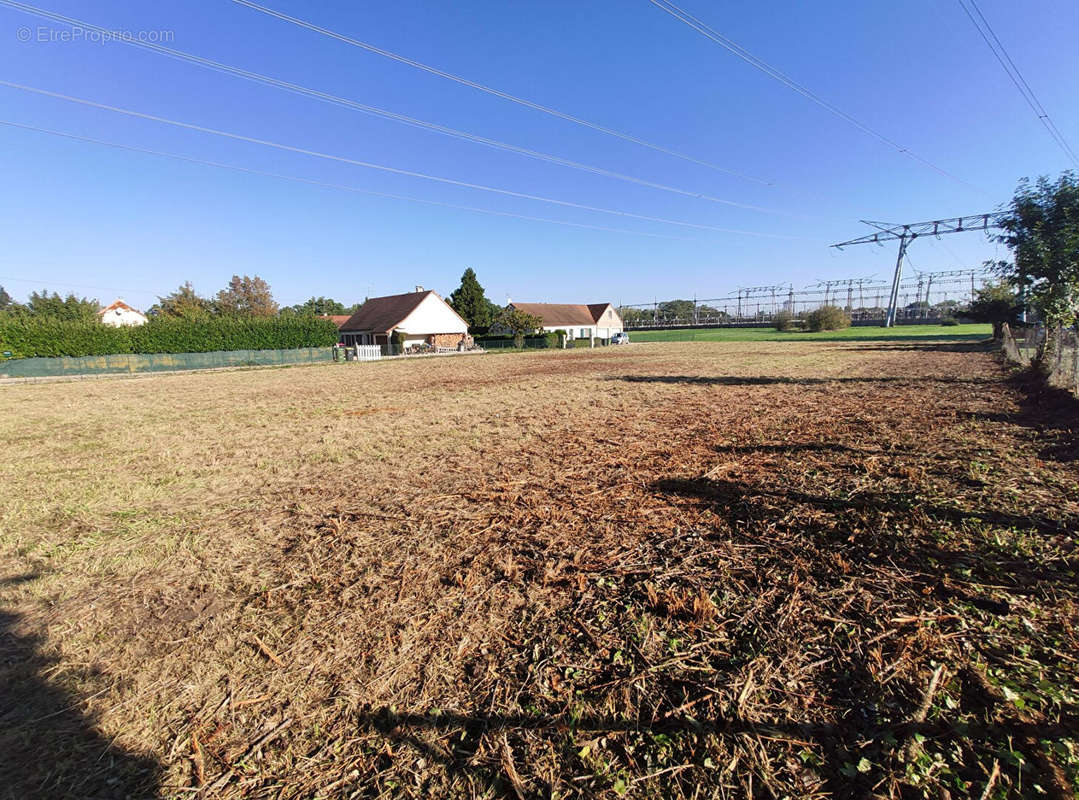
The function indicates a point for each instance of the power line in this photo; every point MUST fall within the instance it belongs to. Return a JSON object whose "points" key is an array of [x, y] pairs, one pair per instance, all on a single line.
{"points": [[382, 113], [62, 285], [702, 28], [490, 90], [997, 47], [381, 167], [323, 184]]}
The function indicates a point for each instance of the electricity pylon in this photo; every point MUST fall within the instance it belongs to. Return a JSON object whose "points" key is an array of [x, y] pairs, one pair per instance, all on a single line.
{"points": [[908, 233]]}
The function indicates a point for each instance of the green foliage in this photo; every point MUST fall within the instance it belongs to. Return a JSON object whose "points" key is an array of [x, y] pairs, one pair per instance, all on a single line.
{"points": [[828, 318], [184, 303], [949, 322], [996, 303], [1042, 230], [518, 323], [397, 340], [28, 337], [471, 303], [43, 305], [246, 297], [5, 299], [784, 321], [320, 306]]}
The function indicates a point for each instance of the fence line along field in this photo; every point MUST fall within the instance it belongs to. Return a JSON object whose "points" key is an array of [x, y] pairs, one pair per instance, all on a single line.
{"points": [[731, 569]]}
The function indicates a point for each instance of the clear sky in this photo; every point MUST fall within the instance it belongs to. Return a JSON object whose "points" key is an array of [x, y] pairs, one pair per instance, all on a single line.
{"points": [[76, 215]]}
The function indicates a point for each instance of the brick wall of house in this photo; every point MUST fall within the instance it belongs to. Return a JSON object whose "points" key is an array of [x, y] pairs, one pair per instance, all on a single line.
{"points": [[445, 339]]}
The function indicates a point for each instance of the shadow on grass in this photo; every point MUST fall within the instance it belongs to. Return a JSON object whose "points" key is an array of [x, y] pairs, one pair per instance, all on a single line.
{"points": [[1050, 414], [48, 747], [840, 741]]}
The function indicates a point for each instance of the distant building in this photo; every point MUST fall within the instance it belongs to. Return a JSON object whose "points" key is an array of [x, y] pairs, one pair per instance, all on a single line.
{"points": [[422, 316], [118, 313], [594, 320], [336, 319]]}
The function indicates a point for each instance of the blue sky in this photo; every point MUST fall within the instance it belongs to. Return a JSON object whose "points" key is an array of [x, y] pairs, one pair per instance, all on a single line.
{"points": [[106, 222]]}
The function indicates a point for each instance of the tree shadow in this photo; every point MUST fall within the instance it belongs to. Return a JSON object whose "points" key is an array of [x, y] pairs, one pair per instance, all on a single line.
{"points": [[838, 741], [969, 346], [772, 380], [1050, 414], [48, 747]]}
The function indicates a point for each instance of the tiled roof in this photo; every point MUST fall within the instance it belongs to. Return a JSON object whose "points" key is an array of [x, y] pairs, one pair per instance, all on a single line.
{"points": [[337, 319], [564, 313], [118, 304], [383, 314]]}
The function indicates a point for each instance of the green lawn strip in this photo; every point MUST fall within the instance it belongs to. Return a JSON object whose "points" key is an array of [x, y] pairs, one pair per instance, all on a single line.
{"points": [[899, 333]]}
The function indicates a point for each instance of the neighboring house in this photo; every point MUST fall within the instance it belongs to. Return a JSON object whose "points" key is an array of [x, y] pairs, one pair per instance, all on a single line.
{"points": [[118, 313], [422, 316], [594, 320], [336, 319]]}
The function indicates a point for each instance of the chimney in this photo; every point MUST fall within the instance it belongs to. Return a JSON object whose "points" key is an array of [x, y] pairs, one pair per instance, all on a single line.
{"points": [[419, 288]]}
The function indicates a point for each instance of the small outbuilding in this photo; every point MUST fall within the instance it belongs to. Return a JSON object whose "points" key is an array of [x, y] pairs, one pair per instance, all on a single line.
{"points": [[118, 313], [422, 317]]}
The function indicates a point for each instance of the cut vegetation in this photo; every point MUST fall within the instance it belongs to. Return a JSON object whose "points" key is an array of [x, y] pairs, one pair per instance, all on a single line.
{"points": [[683, 570]]}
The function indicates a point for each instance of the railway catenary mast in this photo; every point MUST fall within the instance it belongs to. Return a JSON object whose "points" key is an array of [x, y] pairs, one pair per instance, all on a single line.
{"points": [[908, 233]]}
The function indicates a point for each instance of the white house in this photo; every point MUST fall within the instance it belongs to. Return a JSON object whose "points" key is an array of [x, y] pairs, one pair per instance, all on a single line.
{"points": [[118, 313], [594, 320], [422, 316]]}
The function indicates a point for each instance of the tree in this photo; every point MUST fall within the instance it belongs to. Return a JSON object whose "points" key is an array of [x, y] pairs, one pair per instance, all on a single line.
{"points": [[996, 303], [517, 322], [827, 318], [246, 297], [5, 300], [784, 320], [677, 309], [72, 308], [320, 307], [184, 303], [471, 303], [1041, 228]]}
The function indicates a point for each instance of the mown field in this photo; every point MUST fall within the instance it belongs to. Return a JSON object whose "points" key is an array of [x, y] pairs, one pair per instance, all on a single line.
{"points": [[730, 570], [914, 333]]}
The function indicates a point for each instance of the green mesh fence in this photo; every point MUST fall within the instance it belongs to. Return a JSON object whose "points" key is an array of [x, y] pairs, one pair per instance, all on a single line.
{"points": [[129, 363]]}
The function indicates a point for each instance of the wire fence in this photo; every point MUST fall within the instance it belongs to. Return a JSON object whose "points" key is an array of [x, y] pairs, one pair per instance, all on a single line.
{"points": [[1023, 343], [131, 363]]}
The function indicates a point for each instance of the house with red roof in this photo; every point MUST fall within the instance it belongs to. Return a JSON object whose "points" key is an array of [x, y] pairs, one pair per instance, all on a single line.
{"points": [[585, 321], [421, 317], [118, 313]]}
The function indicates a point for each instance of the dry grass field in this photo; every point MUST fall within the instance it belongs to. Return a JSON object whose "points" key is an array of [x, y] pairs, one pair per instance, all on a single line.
{"points": [[730, 570]]}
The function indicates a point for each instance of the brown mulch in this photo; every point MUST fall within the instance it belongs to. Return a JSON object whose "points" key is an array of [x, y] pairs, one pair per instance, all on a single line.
{"points": [[849, 582]]}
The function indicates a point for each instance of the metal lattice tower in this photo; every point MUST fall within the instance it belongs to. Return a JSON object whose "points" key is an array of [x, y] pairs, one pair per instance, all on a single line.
{"points": [[908, 233]]}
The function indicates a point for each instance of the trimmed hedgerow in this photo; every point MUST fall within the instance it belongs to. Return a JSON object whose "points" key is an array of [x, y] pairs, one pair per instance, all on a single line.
{"points": [[29, 337]]}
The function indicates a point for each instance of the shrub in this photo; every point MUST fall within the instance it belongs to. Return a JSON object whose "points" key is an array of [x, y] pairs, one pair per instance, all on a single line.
{"points": [[828, 318], [784, 321], [397, 339], [949, 321], [28, 337]]}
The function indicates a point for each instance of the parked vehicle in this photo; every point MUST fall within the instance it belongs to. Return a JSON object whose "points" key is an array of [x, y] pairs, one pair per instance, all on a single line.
{"points": [[620, 338]]}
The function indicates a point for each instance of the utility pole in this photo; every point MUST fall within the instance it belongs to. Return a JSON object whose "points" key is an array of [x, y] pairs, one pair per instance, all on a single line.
{"points": [[908, 233]]}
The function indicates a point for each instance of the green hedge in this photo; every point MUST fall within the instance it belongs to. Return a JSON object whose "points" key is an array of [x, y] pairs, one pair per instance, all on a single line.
{"points": [[30, 337]]}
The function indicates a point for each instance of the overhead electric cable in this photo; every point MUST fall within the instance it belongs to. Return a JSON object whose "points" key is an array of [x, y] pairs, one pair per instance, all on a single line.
{"points": [[489, 90], [380, 112], [702, 28], [997, 47], [323, 184], [382, 167]]}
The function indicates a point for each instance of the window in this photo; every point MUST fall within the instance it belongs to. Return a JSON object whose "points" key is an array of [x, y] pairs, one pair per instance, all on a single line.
{"points": [[584, 333]]}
